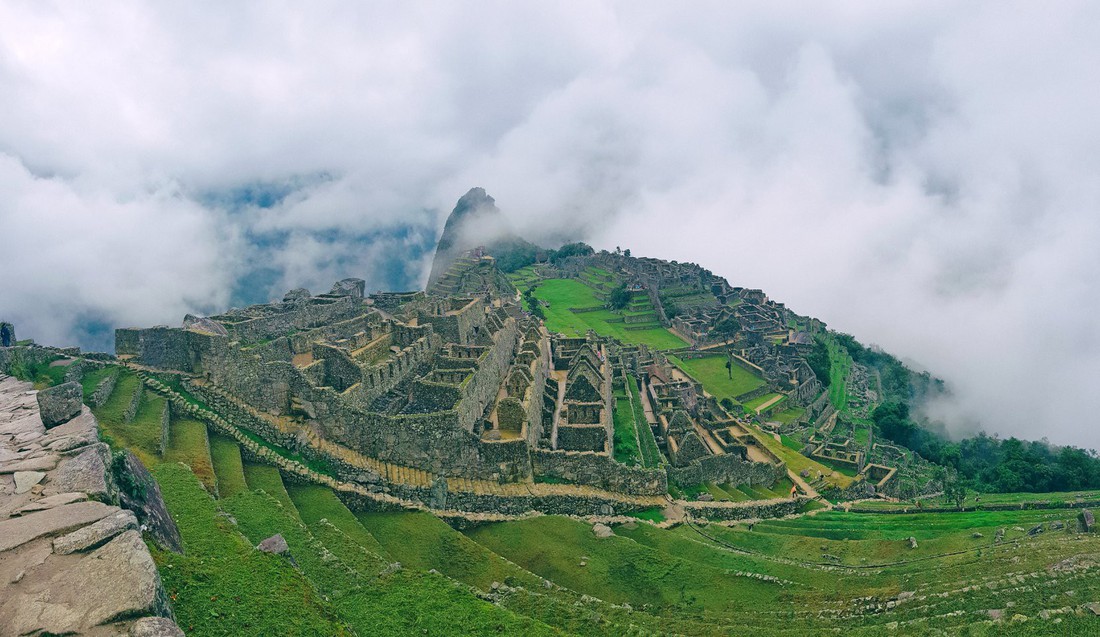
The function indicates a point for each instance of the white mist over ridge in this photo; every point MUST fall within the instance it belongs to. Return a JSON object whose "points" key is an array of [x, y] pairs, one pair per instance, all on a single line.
{"points": [[921, 175]]}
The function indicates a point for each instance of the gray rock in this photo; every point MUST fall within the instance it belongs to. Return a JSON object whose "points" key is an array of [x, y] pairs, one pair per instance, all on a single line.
{"points": [[912, 542], [1057, 525], [95, 535], [24, 480], [17, 531], [52, 501], [297, 295], [204, 325], [141, 494], [1036, 530], [60, 404], [274, 544], [349, 287], [155, 627], [1088, 520], [41, 463], [117, 581], [86, 472], [976, 535], [602, 530]]}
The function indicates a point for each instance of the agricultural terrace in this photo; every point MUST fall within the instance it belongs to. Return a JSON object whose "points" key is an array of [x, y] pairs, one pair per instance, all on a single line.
{"points": [[712, 373], [562, 296]]}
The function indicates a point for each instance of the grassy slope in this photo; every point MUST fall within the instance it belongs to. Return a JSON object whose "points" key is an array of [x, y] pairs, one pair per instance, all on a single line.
{"points": [[651, 453], [394, 604], [316, 503], [616, 569], [266, 478], [188, 443], [626, 439], [226, 455], [220, 585]]}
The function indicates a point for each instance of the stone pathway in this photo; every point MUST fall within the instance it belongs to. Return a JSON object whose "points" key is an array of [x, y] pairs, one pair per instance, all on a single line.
{"points": [[69, 562]]}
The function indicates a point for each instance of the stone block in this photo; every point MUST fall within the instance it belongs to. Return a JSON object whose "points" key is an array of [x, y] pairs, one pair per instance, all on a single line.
{"points": [[275, 544], [24, 480], [155, 627], [86, 472], [117, 581], [60, 404], [17, 531], [95, 535]]}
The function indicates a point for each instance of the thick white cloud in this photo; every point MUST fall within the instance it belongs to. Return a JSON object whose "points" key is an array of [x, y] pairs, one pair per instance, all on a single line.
{"points": [[922, 175]]}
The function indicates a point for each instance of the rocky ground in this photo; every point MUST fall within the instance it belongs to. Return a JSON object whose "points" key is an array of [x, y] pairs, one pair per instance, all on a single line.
{"points": [[70, 561]]}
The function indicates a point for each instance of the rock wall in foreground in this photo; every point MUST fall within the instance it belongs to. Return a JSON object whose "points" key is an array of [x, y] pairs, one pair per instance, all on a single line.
{"points": [[71, 562]]}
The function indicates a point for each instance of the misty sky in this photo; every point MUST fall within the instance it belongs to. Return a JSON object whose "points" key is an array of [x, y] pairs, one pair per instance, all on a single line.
{"points": [[924, 175]]}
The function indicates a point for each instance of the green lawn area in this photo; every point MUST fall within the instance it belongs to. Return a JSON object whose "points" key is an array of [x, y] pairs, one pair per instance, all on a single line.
{"points": [[142, 434], [626, 440], [788, 415], [316, 503], [226, 455], [188, 443], [618, 569], [92, 378], [712, 373], [423, 541], [266, 478], [651, 454], [563, 294], [220, 585], [756, 404]]}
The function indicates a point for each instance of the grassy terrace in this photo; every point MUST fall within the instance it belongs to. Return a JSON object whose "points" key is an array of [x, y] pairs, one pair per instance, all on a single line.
{"points": [[651, 454], [221, 585], [563, 294], [626, 434], [712, 372], [757, 404]]}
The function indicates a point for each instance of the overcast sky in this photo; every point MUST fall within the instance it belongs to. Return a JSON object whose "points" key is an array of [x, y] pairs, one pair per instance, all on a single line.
{"points": [[923, 175]]}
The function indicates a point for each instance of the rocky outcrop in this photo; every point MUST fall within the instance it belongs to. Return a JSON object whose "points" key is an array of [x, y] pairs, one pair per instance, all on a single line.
{"points": [[58, 405], [140, 493], [71, 560], [204, 325], [355, 288]]}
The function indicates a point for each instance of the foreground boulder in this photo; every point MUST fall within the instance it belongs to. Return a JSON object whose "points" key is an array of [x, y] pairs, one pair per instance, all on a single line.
{"points": [[58, 405], [140, 493]]}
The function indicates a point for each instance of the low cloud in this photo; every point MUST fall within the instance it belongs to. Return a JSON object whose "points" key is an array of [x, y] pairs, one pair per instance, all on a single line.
{"points": [[920, 175]]}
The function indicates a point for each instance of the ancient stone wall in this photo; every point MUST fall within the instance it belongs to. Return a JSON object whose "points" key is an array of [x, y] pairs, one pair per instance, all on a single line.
{"points": [[715, 511], [599, 470], [726, 469], [297, 317]]}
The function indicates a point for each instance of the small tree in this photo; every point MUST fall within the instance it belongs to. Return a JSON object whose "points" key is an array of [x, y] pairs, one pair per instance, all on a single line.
{"points": [[619, 298]]}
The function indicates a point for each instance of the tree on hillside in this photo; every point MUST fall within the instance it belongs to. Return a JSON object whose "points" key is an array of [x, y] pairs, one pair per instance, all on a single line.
{"points": [[727, 329], [619, 297]]}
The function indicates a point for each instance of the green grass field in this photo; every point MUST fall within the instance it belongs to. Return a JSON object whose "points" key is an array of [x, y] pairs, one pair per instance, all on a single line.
{"points": [[756, 404], [226, 456], [789, 415], [712, 373], [651, 453], [266, 478], [626, 436], [316, 503], [188, 443], [562, 294], [220, 585]]}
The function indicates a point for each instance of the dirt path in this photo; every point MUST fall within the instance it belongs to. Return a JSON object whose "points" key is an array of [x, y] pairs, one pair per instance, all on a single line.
{"points": [[769, 403]]}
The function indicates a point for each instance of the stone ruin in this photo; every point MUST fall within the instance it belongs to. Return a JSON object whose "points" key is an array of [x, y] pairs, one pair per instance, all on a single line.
{"points": [[7, 335]]}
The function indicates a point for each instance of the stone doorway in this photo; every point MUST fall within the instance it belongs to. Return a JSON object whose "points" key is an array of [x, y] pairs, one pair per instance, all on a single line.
{"points": [[7, 335]]}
